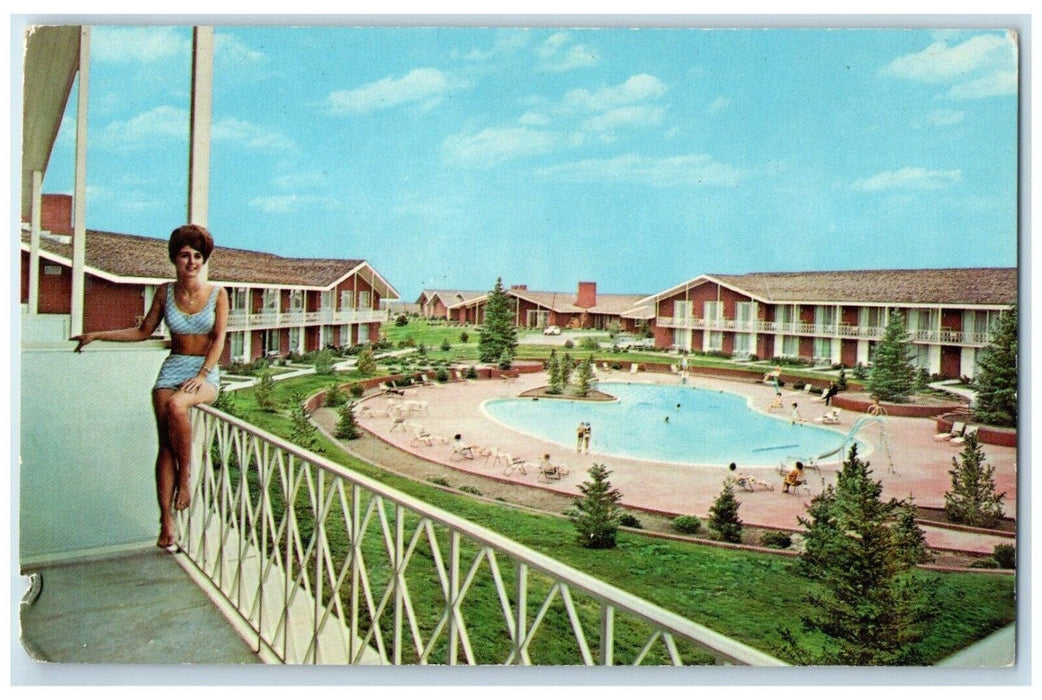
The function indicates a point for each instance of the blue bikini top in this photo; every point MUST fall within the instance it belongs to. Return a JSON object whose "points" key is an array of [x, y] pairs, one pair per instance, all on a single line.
{"points": [[181, 323]]}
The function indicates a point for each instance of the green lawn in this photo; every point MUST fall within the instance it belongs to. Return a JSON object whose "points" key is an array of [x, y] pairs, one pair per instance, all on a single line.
{"points": [[746, 595]]}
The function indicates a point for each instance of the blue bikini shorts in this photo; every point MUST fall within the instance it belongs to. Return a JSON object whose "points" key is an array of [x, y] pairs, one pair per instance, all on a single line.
{"points": [[178, 369]]}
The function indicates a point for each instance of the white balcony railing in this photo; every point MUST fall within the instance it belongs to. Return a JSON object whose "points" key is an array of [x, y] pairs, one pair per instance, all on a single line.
{"points": [[239, 320], [843, 330], [356, 572]]}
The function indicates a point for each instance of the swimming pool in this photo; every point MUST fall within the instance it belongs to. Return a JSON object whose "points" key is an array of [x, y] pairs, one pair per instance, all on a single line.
{"points": [[708, 428]]}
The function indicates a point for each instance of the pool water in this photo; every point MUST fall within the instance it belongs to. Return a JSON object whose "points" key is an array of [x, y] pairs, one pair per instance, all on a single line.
{"points": [[708, 427]]}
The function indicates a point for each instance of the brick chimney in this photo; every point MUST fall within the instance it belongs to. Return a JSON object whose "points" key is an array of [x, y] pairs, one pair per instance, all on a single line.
{"points": [[519, 287], [587, 296], [56, 213]]}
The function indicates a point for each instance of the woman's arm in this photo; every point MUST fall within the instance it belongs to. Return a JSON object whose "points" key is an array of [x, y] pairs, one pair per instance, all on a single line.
{"points": [[142, 331]]}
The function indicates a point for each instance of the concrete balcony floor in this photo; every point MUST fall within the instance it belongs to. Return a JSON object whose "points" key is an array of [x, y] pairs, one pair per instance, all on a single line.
{"points": [[140, 607]]}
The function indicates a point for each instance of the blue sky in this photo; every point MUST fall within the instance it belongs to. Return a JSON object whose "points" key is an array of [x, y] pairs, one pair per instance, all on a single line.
{"points": [[636, 158]]}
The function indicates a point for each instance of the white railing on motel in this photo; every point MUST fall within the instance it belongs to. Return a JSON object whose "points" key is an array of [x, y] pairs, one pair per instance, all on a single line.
{"points": [[842, 330], [238, 320], [355, 572]]}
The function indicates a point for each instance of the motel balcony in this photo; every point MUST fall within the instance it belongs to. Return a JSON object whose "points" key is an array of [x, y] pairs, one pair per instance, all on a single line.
{"points": [[286, 557], [239, 320], [942, 336]]}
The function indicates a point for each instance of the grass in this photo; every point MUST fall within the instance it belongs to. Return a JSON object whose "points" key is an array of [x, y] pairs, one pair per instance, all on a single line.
{"points": [[749, 596]]}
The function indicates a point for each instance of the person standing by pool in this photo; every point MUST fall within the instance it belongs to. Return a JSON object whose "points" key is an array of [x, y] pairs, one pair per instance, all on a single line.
{"points": [[196, 313], [580, 433], [587, 433]]}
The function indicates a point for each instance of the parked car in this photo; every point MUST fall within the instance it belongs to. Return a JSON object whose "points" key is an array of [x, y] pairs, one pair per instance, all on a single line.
{"points": [[629, 342], [552, 330]]}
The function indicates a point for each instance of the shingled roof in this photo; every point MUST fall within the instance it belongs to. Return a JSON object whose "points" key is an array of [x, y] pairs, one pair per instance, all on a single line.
{"points": [[963, 286], [128, 256]]}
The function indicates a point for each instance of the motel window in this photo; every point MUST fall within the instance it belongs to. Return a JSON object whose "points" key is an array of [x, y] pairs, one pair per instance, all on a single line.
{"points": [[347, 299], [327, 336], [743, 343], [871, 317], [921, 356], [681, 309], [240, 297], [824, 316], [296, 300], [823, 348], [236, 343], [713, 310], [745, 312], [294, 340], [538, 318], [364, 300], [790, 346], [270, 300], [363, 333], [345, 335], [326, 300], [271, 342], [714, 340]]}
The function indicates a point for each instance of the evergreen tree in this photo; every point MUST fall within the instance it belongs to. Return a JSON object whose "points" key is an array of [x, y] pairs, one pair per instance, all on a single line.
{"points": [[972, 499], [498, 334], [335, 395], [893, 374], [567, 367], [585, 380], [347, 427], [366, 365], [553, 369], [302, 431], [265, 392], [996, 378], [723, 515], [596, 515], [860, 550]]}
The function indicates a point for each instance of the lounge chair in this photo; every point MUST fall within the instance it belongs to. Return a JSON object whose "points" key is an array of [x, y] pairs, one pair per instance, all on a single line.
{"points": [[830, 417], [750, 483], [970, 430], [634, 367], [606, 367], [390, 388], [496, 455], [421, 436], [957, 430], [515, 464]]}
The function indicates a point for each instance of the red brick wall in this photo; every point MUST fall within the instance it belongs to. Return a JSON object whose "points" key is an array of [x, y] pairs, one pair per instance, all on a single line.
{"points": [[111, 306], [587, 295], [56, 213], [55, 290]]}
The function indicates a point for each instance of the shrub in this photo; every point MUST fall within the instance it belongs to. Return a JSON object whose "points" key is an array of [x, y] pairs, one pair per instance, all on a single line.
{"points": [[401, 321], [324, 362], [334, 396], [356, 390], [776, 539], [596, 514], [346, 427], [723, 516], [687, 524], [467, 488], [1005, 556], [589, 343], [471, 373], [446, 345], [569, 344], [464, 336], [438, 480], [985, 563], [972, 499], [265, 393], [442, 375], [629, 520]]}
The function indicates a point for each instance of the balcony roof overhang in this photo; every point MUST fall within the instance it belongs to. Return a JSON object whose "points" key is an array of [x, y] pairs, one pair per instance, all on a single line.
{"points": [[52, 56]]}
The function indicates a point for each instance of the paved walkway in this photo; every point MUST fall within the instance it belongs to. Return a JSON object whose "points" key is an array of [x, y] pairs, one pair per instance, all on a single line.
{"points": [[922, 463]]}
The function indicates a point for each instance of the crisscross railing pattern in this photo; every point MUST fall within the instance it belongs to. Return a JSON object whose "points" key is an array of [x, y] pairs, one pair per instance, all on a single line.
{"points": [[328, 566]]}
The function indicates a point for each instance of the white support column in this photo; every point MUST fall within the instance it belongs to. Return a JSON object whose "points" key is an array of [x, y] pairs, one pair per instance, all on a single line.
{"points": [[200, 125], [34, 243], [79, 197]]}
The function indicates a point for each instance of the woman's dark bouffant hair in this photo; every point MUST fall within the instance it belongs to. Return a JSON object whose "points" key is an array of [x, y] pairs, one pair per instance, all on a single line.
{"points": [[192, 235]]}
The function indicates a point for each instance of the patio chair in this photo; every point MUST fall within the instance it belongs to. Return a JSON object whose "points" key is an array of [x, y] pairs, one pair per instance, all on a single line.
{"points": [[830, 417], [970, 430], [634, 367], [515, 464], [957, 430], [422, 437]]}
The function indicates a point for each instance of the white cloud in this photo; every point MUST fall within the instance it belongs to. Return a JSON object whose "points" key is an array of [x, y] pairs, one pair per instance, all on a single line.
{"points": [[249, 135], [636, 88], [632, 115], [909, 179], [163, 122], [289, 203], [719, 104], [231, 48], [982, 66], [139, 44], [533, 119], [684, 170], [556, 56], [494, 145], [945, 117], [424, 85]]}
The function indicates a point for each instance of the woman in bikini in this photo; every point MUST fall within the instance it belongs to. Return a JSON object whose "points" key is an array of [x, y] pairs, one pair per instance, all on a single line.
{"points": [[196, 313]]}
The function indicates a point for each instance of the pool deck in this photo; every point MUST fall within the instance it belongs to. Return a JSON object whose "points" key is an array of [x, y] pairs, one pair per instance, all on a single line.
{"points": [[921, 464]]}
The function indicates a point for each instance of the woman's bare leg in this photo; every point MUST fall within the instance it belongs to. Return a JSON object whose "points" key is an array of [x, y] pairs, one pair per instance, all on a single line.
{"points": [[166, 468], [179, 430]]}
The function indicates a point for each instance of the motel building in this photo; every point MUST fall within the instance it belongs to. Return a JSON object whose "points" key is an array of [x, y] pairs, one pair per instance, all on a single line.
{"points": [[277, 305], [584, 308], [436, 303], [831, 318]]}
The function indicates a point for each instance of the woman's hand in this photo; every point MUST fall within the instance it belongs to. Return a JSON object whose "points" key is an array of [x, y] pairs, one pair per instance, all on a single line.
{"points": [[193, 385], [82, 340]]}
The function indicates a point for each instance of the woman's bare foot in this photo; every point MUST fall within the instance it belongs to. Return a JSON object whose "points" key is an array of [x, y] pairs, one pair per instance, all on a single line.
{"points": [[183, 494], [166, 539]]}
